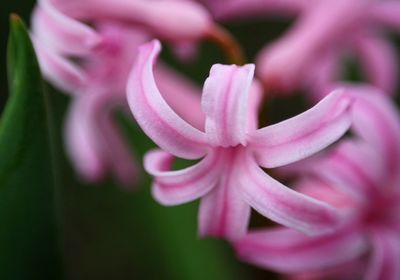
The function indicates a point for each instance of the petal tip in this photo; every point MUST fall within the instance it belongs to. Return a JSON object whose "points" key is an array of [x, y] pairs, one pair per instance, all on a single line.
{"points": [[154, 47]]}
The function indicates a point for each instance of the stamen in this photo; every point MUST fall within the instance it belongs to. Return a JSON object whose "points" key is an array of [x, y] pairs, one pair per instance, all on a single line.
{"points": [[232, 49]]}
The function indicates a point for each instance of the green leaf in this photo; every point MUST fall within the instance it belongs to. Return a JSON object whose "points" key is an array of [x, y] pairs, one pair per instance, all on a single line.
{"points": [[28, 243]]}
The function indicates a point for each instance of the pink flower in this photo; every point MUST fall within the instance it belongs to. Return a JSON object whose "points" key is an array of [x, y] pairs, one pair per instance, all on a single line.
{"points": [[231, 149], [312, 52], [94, 142], [92, 63], [361, 177]]}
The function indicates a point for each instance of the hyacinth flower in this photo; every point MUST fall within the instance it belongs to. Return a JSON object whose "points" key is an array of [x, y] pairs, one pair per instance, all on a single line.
{"points": [[86, 48], [361, 177], [228, 178], [60, 32], [312, 54]]}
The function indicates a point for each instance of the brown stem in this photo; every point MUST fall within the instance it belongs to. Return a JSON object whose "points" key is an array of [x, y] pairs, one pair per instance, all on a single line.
{"points": [[228, 44]]}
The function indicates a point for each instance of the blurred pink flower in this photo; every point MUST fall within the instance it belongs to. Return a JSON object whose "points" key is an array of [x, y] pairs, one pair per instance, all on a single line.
{"points": [[228, 10], [325, 34], [361, 177], [231, 149], [87, 48], [94, 142]]}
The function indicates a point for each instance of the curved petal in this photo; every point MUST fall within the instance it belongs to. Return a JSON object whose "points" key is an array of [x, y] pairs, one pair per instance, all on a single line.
{"points": [[387, 13], [385, 262], [280, 67], [66, 35], [59, 70], [177, 187], [303, 135], [153, 114], [283, 67], [326, 192], [223, 212], [225, 103], [289, 251], [170, 20], [377, 121], [234, 9], [378, 59], [120, 160], [354, 168], [186, 52], [82, 138], [283, 205], [323, 74], [347, 271], [255, 101], [94, 143]]}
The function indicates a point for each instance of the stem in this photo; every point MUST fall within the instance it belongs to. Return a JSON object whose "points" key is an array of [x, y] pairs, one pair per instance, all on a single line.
{"points": [[232, 49]]}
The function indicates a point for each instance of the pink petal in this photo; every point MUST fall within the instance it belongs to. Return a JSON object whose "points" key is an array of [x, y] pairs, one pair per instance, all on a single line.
{"points": [[186, 52], [177, 187], [385, 262], [303, 135], [94, 143], [182, 95], [119, 157], [234, 9], [354, 168], [289, 251], [324, 72], [225, 103], [281, 204], [280, 67], [378, 59], [223, 212], [255, 101], [347, 271], [82, 139], [154, 115], [326, 192], [387, 13], [59, 70], [376, 120], [57, 30], [170, 20], [284, 65]]}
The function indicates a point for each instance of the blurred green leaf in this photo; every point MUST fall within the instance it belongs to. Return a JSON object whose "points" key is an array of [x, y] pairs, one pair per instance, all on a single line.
{"points": [[28, 243]]}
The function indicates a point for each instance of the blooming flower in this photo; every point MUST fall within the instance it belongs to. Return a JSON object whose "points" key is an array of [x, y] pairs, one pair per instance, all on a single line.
{"points": [[229, 178], [312, 53], [92, 62], [361, 177]]}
